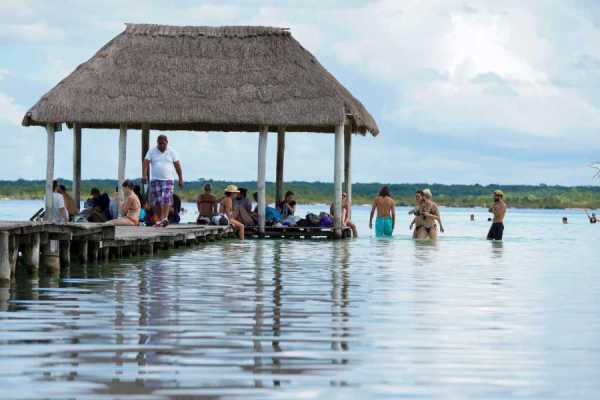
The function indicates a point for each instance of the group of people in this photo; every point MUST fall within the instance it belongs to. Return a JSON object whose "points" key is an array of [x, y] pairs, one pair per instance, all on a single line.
{"points": [[426, 215]]}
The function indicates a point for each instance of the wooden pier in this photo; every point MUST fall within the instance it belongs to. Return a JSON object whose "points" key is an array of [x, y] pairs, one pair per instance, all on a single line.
{"points": [[297, 232], [51, 246]]}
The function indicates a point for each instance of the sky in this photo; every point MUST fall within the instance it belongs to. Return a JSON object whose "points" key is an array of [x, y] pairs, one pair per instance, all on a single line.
{"points": [[502, 92]]}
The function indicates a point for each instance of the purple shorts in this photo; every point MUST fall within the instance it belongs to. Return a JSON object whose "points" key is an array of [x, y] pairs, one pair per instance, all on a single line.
{"points": [[161, 193]]}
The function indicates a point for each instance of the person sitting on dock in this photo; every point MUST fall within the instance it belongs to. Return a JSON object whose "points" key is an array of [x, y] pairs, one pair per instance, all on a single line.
{"points": [[175, 210], [163, 161], [130, 208], [99, 210], [242, 208], [207, 205], [386, 213], [227, 209], [287, 206], [58, 213], [345, 214], [70, 204]]}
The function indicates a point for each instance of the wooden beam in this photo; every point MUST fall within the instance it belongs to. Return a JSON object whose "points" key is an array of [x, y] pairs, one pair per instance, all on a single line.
{"points": [[77, 165], [337, 179], [31, 253], [49, 169], [348, 167], [145, 141], [262, 170], [280, 163]]}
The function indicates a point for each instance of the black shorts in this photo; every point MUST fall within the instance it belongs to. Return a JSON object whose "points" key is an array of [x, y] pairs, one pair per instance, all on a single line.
{"points": [[496, 231]]}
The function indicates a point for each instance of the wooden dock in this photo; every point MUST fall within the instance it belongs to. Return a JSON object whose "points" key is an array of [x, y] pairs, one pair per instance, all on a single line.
{"points": [[297, 232], [51, 246]]}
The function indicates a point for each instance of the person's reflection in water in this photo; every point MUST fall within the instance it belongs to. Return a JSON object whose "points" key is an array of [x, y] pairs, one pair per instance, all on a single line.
{"points": [[276, 327], [424, 251], [497, 249]]}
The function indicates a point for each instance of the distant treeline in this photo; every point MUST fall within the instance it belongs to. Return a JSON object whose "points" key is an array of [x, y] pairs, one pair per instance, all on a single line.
{"points": [[522, 196]]}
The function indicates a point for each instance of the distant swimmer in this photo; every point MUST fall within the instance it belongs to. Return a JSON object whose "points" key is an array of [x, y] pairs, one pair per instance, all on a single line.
{"points": [[499, 211], [565, 220], [386, 213], [592, 218], [472, 217]]}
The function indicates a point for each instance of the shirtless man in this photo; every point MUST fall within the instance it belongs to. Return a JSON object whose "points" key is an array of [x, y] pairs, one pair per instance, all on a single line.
{"points": [[499, 211], [227, 209], [386, 213], [207, 202]]}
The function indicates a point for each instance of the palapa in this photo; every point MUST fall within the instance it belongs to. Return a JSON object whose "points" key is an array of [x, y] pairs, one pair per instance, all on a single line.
{"points": [[202, 79]]}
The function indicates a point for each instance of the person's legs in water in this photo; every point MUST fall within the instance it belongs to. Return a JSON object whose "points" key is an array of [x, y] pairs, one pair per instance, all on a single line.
{"points": [[238, 226], [496, 231], [353, 227]]}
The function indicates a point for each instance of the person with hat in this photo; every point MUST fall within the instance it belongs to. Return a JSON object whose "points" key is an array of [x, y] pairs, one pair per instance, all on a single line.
{"points": [[227, 209], [499, 211]]}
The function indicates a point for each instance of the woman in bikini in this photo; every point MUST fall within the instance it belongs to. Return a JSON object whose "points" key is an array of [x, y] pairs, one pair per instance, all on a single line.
{"points": [[427, 216], [130, 208]]}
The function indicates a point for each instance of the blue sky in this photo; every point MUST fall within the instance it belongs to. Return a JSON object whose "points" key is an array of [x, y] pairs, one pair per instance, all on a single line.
{"points": [[463, 91]]}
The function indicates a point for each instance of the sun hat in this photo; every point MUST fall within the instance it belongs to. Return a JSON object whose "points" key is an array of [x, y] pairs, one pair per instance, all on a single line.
{"points": [[499, 193], [231, 189]]}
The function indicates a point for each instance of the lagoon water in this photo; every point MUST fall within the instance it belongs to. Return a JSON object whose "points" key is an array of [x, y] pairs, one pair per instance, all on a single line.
{"points": [[367, 318]]}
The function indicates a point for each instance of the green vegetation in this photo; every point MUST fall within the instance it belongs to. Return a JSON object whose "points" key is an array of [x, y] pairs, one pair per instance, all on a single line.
{"points": [[523, 196]]}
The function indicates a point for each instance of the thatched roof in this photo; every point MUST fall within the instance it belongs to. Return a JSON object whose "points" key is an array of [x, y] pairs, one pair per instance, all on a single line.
{"points": [[202, 78]]}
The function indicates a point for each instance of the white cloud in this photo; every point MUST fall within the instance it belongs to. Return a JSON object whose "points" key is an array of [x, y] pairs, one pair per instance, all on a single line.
{"points": [[10, 112], [37, 32]]}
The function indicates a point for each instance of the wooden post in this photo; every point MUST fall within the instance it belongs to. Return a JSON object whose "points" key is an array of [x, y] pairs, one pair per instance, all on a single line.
{"points": [[337, 179], [31, 253], [4, 258], [83, 252], [65, 253], [262, 170], [51, 256], [106, 254], [280, 162], [145, 142], [348, 167], [122, 154], [77, 165], [13, 249], [49, 169]]}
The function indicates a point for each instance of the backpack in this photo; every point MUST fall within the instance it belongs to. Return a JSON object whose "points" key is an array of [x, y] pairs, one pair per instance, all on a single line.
{"points": [[313, 219], [325, 220]]}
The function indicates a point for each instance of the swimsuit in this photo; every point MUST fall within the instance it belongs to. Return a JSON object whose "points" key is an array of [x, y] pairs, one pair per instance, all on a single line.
{"points": [[496, 231], [383, 226]]}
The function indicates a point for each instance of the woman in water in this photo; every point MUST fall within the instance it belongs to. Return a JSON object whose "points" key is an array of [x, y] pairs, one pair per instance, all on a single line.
{"points": [[427, 218]]}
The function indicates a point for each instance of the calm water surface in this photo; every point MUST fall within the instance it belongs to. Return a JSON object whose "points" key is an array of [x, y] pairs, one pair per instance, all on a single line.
{"points": [[366, 318]]}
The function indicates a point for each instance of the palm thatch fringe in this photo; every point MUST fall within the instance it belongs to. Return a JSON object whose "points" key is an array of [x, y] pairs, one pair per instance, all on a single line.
{"points": [[202, 78]]}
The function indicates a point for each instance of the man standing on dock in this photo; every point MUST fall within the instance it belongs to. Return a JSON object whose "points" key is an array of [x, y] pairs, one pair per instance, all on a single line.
{"points": [[163, 162], [499, 211]]}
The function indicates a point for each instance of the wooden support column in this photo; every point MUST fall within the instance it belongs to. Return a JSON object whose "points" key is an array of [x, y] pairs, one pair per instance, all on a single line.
{"points": [[65, 253], [122, 154], [13, 249], [348, 167], [280, 163], [31, 253], [49, 169], [145, 141], [4, 258], [51, 256], [77, 165], [83, 252], [337, 179], [262, 171]]}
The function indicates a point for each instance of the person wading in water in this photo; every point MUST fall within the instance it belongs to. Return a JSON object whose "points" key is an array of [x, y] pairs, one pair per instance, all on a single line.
{"points": [[499, 211], [386, 213]]}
